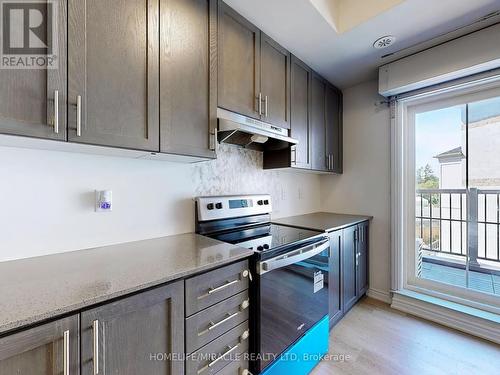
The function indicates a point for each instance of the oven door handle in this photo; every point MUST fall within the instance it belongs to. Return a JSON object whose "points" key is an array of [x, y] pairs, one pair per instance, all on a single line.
{"points": [[295, 257]]}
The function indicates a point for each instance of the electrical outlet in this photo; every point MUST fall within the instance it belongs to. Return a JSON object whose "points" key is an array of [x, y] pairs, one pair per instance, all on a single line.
{"points": [[283, 193]]}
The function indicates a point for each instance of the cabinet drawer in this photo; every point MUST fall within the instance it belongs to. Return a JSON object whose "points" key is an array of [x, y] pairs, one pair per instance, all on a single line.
{"points": [[219, 353], [209, 288], [236, 368], [209, 324]]}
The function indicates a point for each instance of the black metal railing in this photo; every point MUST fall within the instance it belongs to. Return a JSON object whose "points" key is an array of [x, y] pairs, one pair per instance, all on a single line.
{"points": [[452, 220]]}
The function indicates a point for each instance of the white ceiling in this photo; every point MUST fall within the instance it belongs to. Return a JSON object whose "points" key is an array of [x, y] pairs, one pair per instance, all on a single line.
{"points": [[349, 58]]}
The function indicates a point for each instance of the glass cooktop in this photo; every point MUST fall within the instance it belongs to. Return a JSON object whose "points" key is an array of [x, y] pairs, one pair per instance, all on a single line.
{"points": [[265, 236]]}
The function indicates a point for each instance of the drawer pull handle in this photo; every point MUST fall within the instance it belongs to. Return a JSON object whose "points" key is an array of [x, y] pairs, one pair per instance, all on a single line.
{"points": [[222, 287], [242, 338], [228, 317], [229, 351]]}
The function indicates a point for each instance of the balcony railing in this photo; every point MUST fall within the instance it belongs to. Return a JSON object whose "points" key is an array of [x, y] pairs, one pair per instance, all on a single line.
{"points": [[446, 226]]}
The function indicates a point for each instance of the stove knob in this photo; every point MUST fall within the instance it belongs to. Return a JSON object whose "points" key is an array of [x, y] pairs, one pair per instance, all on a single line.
{"points": [[218, 205], [266, 246], [210, 206], [266, 202], [260, 203], [260, 248]]}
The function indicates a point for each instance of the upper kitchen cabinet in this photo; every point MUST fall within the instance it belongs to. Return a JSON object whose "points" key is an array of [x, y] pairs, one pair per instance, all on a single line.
{"points": [[113, 73], [238, 64], [254, 71], [319, 160], [275, 82], [300, 119], [34, 99], [326, 118], [333, 128], [188, 76]]}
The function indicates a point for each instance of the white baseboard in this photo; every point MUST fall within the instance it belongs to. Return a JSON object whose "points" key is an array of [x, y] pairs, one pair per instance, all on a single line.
{"points": [[380, 295], [447, 316]]}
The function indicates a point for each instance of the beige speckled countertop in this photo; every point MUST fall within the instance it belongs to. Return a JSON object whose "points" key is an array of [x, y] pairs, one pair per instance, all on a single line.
{"points": [[36, 289], [323, 221]]}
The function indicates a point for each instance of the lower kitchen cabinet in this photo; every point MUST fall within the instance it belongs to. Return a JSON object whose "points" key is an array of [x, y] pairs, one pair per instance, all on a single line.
{"points": [[348, 277], [133, 335], [349, 268], [48, 349], [146, 333], [362, 259], [334, 278]]}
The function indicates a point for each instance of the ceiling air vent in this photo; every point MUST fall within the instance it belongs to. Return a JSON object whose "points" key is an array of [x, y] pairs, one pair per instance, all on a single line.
{"points": [[384, 42]]}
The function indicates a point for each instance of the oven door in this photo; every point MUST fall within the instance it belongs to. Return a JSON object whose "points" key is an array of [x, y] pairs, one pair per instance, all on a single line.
{"points": [[293, 297]]}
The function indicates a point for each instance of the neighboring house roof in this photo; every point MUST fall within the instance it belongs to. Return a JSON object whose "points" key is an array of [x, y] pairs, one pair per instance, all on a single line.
{"points": [[454, 154]]}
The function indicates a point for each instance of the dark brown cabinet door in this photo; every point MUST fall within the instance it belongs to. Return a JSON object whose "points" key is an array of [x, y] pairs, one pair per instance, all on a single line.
{"points": [[113, 68], [238, 63], [362, 259], [349, 268], [334, 278], [275, 82], [188, 64], [135, 335], [300, 124], [33, 101], [318, 143], [43, 350], [333, 129]]}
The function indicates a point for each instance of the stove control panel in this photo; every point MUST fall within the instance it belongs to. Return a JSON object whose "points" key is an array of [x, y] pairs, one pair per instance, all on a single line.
{"points": [[224, 207], [259, 244]]}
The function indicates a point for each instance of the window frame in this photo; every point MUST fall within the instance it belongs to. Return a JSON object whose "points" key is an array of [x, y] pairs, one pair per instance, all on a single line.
{"points": [[403, 111]]}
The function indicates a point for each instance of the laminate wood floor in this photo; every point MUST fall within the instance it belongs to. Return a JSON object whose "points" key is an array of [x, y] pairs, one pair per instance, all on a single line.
{"points": [[375, 339]]}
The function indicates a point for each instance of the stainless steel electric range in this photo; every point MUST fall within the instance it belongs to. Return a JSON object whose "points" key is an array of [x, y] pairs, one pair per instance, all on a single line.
{"points": [[289, 291]]}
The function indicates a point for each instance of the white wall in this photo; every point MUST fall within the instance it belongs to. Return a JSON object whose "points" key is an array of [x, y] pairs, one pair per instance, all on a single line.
{"points": [[47, 197], [364, 187]]}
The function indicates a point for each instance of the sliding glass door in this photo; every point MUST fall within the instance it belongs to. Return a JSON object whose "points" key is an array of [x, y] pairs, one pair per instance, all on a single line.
{"points": [[455, 163]]}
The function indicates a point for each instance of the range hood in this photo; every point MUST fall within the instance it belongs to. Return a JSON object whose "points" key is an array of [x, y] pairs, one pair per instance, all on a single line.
{"points": [[247, 132]]}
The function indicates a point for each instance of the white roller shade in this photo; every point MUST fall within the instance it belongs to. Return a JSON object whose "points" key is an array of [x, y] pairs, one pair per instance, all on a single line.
{"points": [[470, 54]]}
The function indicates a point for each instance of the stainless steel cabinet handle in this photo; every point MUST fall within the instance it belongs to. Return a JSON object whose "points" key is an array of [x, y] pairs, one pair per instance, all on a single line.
{"points": [[78, 115], [56, 111], [66, 353], [229, 317], [357, 259], [293, 156], [231, 349], [95, 329], [260, 103], [219, 288], [265, 105]]}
